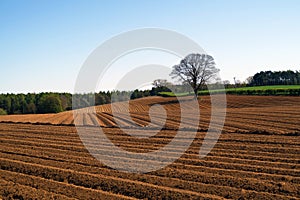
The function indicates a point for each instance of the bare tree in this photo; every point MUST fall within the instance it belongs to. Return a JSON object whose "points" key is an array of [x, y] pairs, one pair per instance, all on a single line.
{"points": [[196, 69], [161, 83], [249, 80], [226, 83]]}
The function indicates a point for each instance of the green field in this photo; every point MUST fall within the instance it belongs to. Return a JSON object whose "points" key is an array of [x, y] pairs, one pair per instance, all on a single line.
{"points": [[267, 87], [289, 90]]}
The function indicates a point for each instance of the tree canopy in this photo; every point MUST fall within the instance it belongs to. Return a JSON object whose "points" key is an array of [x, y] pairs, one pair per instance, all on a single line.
{"points": [[50, 104], [196, 70], [288, 77]]}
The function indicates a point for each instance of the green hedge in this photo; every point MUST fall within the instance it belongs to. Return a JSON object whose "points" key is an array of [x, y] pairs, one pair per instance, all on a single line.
{"points": [[269, 92]]}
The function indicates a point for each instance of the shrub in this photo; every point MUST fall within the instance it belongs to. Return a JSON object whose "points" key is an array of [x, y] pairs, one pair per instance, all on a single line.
{"points": [[3, 112]]}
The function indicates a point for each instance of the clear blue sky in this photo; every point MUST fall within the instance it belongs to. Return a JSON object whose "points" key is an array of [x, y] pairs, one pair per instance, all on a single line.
{"points": [[44, 43]]}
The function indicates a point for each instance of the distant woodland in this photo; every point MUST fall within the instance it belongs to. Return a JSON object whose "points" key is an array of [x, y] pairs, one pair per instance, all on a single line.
{"points": [[275, 78]]}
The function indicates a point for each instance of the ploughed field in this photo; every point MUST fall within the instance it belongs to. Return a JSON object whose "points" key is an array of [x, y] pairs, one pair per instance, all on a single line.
{"points": [[244, 114], [256, 157]]}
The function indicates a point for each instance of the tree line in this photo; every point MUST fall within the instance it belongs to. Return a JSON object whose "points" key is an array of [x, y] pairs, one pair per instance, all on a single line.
{"points": [[51, 102], [263, 78], [32, 103]]}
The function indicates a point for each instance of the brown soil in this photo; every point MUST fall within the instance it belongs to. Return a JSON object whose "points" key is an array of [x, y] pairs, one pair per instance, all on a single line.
{"points": [[256, 157]]}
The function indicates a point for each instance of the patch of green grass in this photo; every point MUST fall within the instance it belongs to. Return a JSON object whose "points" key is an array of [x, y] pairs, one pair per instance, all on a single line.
{"points": [[171, 94], [292, 90], [267, 87]]}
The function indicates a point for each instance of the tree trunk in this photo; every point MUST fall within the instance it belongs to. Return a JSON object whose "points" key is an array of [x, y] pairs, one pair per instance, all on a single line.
{"points": [[195, 93]]}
